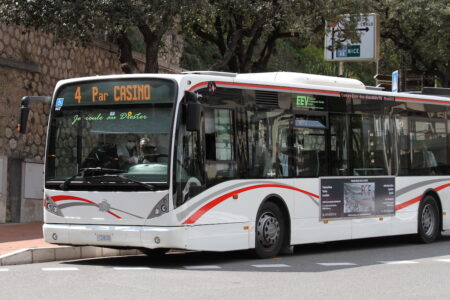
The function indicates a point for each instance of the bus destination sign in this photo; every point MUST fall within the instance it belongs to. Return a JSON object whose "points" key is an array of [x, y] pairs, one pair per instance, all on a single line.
{"points": [[132, 91], [367, 97]]}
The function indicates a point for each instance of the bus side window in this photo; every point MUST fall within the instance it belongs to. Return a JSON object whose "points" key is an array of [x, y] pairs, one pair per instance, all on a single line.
{"points": [[219, 144]]}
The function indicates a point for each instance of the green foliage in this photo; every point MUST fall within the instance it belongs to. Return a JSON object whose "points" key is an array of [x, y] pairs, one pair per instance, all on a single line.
{"points": [[198, 55], [82, 20], [415, 35], [245, 32]]}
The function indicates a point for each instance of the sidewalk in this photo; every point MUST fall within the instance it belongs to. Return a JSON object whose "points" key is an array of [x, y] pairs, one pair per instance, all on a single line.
{"points": [[15, 237], [24, 244]]}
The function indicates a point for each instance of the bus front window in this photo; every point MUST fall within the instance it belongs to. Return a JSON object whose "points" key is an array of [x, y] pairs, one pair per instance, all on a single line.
{"points": [[130, 140]]}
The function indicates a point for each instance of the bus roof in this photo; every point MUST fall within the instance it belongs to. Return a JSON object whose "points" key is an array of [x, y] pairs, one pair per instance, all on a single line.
{"points": [[273, 79]]}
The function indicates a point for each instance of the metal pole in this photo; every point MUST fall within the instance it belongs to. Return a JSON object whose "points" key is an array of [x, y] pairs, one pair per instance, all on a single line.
{"points": [[377, 69], [341, 69]]}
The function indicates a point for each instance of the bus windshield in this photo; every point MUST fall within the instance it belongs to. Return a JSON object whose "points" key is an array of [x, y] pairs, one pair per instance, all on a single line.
{"points": [[120, 127]]}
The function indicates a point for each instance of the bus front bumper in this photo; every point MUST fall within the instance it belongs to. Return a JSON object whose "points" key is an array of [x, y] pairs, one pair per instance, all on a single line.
{"points": [[116, 236]]}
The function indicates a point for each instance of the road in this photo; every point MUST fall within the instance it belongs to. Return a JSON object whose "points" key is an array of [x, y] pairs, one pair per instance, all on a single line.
{"points": [[393, 268]]}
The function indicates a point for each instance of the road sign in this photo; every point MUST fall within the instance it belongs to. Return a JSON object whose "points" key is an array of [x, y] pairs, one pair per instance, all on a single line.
{"points": [[395, 81], [337, 48]]}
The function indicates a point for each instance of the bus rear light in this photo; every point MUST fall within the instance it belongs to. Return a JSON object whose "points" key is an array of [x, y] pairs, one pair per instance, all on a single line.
{"points": [[325, 221], [235, 196]]}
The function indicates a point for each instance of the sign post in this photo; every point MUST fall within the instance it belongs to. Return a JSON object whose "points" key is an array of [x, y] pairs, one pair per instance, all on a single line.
{"points": [[338, 48]]}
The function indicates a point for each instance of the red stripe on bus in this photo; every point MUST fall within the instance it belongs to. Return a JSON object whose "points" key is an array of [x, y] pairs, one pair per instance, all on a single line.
{"points": [[197, 86], [264, 87], [421, 100], [408, 203], [205, 208], [113, 214], [64, 198], [418, 198]]}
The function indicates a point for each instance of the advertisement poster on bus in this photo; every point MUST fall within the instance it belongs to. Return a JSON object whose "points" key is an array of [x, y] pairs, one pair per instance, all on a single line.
{"points": [[357, 197]]}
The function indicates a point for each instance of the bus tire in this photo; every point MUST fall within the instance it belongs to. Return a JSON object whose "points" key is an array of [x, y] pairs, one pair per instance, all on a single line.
{"points": [[270, 230], [428, 220]]}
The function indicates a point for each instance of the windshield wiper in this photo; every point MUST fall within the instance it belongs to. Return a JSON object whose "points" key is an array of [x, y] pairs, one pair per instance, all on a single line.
{"points": [[82, 172], [119, 178]]}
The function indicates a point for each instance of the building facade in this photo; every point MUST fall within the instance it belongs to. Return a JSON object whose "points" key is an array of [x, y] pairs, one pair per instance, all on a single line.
{"points": [[30, 65]]}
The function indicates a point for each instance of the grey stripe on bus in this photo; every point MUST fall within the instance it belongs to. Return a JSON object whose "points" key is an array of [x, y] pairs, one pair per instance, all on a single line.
{"points": [[417, 185], [184, 213], [63, 206]]}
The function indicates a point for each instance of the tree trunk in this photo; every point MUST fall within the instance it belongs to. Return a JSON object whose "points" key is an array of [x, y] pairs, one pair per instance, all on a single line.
{"points": [[127, 62]]}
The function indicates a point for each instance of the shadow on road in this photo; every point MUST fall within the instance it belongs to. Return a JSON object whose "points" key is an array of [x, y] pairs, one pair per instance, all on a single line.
{"points": [[306, 258]]}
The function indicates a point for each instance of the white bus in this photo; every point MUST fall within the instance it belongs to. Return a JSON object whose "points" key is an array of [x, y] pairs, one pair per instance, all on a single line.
{"points": [[218, 161]]}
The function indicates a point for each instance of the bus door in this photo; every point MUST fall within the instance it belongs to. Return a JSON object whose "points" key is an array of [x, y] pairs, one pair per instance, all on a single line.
{"points": [[310, 144]]}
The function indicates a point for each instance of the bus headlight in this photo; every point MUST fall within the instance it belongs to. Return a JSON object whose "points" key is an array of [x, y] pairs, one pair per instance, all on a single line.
{"points": [[160, 207]]}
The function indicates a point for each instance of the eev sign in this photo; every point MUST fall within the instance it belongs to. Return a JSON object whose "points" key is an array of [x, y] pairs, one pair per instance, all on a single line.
{"points": [[338, 48]]}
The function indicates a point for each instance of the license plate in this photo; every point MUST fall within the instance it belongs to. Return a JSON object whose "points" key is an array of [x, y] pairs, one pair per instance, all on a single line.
{"points": [[103, 237]]}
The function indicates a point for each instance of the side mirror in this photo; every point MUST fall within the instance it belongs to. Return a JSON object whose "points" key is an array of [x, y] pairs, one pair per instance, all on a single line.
{"points": [[24, 110], [193, 116], [193, 112], [23, 119]]}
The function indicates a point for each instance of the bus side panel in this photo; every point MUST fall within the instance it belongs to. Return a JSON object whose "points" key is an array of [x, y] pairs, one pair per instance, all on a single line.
{"points": [[444, 195], [311, 230], [371, 227], [409, 191], [234, 202], [404, 222], [307, 226], [219, 237]]}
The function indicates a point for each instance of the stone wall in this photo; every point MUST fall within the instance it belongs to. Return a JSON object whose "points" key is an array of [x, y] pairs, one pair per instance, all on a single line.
{"points": [[32, 63]]}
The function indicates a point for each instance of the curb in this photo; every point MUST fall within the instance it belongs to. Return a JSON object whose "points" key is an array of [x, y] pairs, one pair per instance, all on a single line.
{"points": [[40, 255]]}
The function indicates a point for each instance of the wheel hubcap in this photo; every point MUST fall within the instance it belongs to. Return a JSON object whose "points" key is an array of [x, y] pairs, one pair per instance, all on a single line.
{"points": [[428, 220], [268, 230]]}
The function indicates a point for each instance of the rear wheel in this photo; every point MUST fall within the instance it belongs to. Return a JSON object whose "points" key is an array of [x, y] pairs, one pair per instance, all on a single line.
{"points": [[429, 221], [270, 230]]}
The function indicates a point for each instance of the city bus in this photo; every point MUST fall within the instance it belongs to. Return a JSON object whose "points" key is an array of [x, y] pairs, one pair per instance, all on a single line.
{"points": [[214, 161]]}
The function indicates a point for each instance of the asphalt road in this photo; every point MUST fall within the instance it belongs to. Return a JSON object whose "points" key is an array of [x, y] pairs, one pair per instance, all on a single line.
{"points": [[388, 268]]}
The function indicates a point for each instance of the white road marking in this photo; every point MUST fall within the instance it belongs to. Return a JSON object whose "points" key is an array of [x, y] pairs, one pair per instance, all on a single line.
{"points": [[443, 260], [398, 262], [272, 266], [202, 267], [131, 268], [336, 264], [4, 270], [60, 269]]}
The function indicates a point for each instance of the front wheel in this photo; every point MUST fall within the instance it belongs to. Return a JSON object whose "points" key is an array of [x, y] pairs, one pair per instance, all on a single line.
{"points": [[270, 230], [429, 221]]}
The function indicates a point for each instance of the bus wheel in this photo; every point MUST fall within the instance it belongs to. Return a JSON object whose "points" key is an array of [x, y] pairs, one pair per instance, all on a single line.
{"points": [[429, 227], [270, 230]]}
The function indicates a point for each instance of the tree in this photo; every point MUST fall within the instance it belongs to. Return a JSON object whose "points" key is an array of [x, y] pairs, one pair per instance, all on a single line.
{"points": [[245, 32], [416, 35], [82, 20]]}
